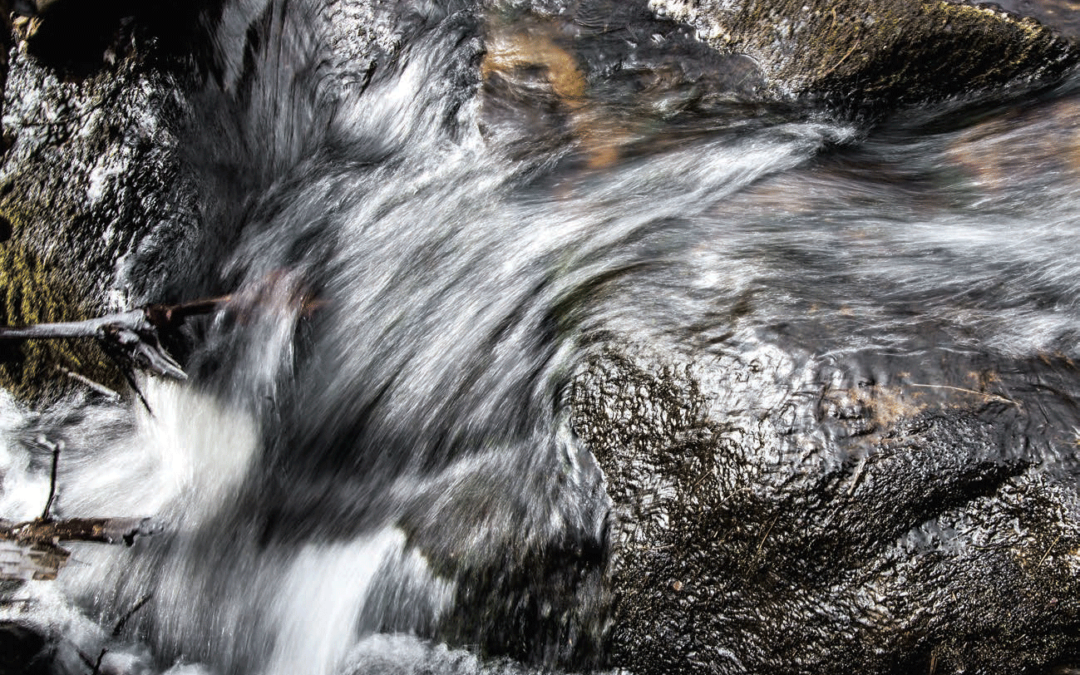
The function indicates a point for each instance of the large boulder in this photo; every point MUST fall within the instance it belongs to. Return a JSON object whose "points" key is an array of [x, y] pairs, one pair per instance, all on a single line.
{"points": [[93, 201], [777, 513], [869, 53]]}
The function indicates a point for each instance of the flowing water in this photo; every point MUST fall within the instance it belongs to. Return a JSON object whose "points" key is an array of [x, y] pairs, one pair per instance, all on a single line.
{"points": [[473, 218]]}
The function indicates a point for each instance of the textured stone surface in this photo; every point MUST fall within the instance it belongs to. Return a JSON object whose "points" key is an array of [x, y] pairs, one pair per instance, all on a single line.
{"points": [[774, 516], [90, 173], [862, 52]]}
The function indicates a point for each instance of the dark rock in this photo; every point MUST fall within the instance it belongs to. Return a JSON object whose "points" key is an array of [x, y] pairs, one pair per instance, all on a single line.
{"points": [[780, 524], [872, 54], [90, 175], [23, 651]]}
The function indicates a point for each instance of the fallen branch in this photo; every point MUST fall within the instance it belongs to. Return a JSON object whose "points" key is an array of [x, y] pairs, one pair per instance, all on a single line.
{"points": [[132, 333], [135, 334], [31, 549], [100, 530]]}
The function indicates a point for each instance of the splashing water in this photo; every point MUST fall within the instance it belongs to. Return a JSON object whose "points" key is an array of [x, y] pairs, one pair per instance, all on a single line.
{"points": [[334, 487]]}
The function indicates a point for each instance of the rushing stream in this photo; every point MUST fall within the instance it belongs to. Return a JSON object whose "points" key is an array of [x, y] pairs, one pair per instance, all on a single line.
{"points": [[423, 253]]}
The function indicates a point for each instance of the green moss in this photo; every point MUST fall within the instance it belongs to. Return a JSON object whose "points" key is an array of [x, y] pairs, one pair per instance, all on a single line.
{"points": [[30, 293]]}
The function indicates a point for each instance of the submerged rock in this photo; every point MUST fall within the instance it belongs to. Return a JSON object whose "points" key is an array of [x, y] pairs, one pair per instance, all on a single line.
{"points": [[1060, 15]]}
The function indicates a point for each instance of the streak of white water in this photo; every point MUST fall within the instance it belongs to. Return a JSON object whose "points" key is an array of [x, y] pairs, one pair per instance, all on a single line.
{"points": [[324, 480], [320, 600], [182, 463]]}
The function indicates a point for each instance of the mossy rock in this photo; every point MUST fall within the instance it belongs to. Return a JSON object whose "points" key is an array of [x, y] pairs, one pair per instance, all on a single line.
{"points": [[31, 292], [868, 53], [94, 204]]}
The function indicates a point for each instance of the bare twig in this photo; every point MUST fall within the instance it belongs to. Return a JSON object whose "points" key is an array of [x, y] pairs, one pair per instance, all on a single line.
{"points": [[135, 334], [858, 475], [132, 333], [766, 535], [95, 386], [36, 544], [996, 397], [1047, 554], [130, 613], [101, 530], [83, 656], [25, 602], [841, 61], [56, 448], [100, 658]]}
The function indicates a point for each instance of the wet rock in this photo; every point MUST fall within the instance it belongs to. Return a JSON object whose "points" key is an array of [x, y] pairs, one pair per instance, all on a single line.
{"points": [[1010, 154], [774, 514], [1060, 15], [872, 54], [91, 173], [23, 651]]}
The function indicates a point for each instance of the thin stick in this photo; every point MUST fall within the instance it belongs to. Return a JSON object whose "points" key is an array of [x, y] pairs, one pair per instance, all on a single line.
{"points": [[84, 658], [841, 61], [100, 658], [966, 391], [25, 602], [773, 523], [95, 386], [56, 447], [1047, 554], [130, 613], [858, 475]]}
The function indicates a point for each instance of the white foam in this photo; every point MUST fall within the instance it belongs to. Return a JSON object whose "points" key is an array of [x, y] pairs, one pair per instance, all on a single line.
{"points": [[320, 602]]}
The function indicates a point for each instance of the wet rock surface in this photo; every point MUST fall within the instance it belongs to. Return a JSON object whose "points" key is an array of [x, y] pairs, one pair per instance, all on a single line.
{"points": [[90, 174], [870, 54], [1059, 15], [783, 517], [23, 651]]}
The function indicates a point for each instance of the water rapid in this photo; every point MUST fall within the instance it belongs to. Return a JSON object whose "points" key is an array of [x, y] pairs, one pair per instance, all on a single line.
{"points": [[373, 456]]}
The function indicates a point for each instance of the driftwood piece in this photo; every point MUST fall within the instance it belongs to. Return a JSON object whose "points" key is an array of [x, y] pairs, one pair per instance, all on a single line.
{"points": [[101, 530], [132, 333], [32, 550], [136, 333]]}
